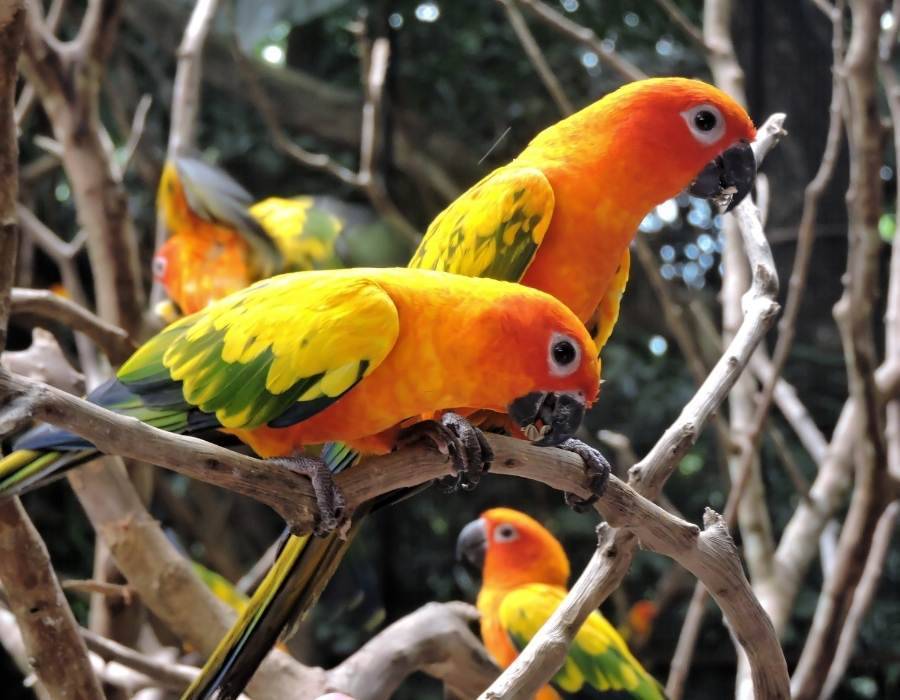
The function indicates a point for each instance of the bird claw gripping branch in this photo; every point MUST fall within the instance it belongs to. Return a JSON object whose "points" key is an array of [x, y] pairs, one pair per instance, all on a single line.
{"points": [[465, 444], [595, 466], [330, 499]]}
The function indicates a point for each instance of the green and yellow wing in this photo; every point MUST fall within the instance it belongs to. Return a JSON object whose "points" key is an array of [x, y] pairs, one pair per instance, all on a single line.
{"points": [[598, 657], [305, 233], [493, 230], [275, 353]]}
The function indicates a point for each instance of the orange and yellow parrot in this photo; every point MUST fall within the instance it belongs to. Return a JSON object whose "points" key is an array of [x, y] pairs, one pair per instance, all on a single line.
{"points": [[524, 573], [345, 355], [559, 218], [220, 241]]}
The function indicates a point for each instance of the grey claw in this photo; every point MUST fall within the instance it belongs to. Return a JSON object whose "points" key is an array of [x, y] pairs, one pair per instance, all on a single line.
{"points": [[330, 499], [597, 469]]}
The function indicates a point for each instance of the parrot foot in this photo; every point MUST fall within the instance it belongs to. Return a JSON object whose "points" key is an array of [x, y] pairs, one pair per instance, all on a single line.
{"points": [[595, 466], [330, 499], [466, 445]]}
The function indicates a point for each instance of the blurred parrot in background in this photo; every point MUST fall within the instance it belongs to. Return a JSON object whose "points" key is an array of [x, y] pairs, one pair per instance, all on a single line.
{"points": [[366, 357], [560, 218], [220, 241], [524, 572]]}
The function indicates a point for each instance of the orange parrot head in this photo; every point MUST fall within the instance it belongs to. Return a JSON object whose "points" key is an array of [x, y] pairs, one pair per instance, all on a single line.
{"points": [[555, 372], [512, 549], [664, 135]]}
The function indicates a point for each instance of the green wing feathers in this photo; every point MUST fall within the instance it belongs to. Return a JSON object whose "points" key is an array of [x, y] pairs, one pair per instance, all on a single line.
{"points": [[598, 658], [305, 233], [493, 230], [276, 352]]}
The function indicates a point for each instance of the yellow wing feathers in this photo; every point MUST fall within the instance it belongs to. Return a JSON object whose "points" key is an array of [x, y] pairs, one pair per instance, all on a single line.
{"points": [[493, 230]]}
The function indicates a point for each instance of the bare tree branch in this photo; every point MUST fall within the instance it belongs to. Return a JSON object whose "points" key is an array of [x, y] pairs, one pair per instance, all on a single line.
{"points": [[585, 36], [113, 341], [55, 650], [66, 77], [536, 56], [690, 30], [853, 314], [44, 360], [435, 639], [48, 628], [862, 599], [366, 179]]}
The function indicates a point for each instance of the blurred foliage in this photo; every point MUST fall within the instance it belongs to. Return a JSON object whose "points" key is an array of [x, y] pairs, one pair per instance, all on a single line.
{"points": [[458, 67]]}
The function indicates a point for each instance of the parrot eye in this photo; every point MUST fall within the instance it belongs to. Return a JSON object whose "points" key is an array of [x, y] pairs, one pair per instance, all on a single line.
{"points": [[705, 123], [505, 533], [564, 355], [159, 266]]}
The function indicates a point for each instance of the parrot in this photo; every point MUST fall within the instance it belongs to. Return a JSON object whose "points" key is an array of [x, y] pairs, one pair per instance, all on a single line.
{"points": [[560, 218], [221, 241], [524, 572], [366, 357]]}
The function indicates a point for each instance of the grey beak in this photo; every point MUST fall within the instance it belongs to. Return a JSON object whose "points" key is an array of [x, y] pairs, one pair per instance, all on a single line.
{"points": [[560, 414], [728, 178], [471, 544]]}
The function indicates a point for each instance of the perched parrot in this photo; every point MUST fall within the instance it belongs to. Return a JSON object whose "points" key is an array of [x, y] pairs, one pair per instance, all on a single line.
{"points": [[524, 574], [220, 241], [353, 356], [559, 218]]}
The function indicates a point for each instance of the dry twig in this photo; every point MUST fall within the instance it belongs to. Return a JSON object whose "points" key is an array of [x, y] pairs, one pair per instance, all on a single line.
{"points": [[585, 36], [66, 77], [536, 56], [113, 341], [367, 179]]}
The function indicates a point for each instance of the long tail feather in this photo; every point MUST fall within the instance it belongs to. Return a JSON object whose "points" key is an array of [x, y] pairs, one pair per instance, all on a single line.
{"points": [[292, 586], [300, 573], [24, 470]]}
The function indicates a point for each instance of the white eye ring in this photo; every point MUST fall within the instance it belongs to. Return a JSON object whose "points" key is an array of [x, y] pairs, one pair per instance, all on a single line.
{"points": [[563, 355], [505, 533], [159, 266], [705, 122]]}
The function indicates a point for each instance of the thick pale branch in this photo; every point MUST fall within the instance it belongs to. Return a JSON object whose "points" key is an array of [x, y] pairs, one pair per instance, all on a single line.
{"points": [[113, 341], [44, 360], [435, 639]]}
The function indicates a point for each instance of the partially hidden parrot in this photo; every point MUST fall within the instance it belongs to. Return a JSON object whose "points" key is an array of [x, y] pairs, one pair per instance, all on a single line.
{"points": [[560, 218], [359, 356], [220, 241], [524, 572]]}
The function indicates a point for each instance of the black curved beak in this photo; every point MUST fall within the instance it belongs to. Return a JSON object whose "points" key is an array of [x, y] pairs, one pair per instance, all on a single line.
{"points": [[727, 179], [471, 544], [546, 418]]}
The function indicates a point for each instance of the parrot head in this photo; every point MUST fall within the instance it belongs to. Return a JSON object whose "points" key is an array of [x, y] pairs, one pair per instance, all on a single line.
{"points": [[512, 549], [665, 135], [550, 365]]}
